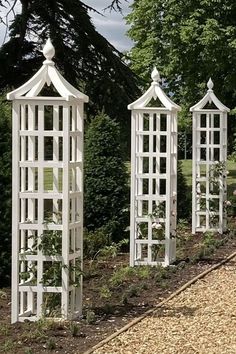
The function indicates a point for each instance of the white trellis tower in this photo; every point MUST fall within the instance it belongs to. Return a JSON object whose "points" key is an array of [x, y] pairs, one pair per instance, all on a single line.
{"points": [[47, 203], [209, 189], [153, 177]]}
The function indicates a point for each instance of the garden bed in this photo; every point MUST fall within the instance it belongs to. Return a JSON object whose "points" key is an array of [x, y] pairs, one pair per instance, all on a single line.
{"points": [[113, 295]]}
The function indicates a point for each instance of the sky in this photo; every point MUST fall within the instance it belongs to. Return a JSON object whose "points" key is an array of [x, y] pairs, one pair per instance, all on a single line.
{"points": [[112, 25]]}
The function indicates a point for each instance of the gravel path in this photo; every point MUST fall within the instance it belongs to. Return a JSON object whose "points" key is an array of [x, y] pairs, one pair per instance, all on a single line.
{"points": [[201, 319]]}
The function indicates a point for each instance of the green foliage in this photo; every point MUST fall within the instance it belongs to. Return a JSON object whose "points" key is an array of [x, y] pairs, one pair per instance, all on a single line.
{"points": [[74, 328], [51, 243], [184, 205], [90, 317], [85, 57], [124, 274], [8, 346], [106, 189], [94, 241], [5, 192], [207, 247], [105, 292], [189, 41], [50, 344]]}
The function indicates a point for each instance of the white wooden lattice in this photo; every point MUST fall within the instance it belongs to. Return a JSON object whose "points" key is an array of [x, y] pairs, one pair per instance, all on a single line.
{"points": [[209, 189], [153, 177], [47, 204]]}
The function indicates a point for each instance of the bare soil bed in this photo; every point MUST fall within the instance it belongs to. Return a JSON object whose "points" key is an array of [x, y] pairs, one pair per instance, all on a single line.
{"points": [[113, 295]]}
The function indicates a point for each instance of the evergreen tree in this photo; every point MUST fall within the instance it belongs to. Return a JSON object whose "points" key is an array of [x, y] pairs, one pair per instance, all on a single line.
{"points": [[86, 58], [105, 178]]}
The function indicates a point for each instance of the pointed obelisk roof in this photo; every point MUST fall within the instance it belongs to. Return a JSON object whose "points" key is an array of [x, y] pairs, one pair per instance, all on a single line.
{"points": [[155, 91], [47, 74], [209, 97]]}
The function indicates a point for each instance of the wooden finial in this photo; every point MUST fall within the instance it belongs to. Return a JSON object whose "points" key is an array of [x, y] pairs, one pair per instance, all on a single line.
{"points": [[210, 84], [49, 50], [155, 75]]}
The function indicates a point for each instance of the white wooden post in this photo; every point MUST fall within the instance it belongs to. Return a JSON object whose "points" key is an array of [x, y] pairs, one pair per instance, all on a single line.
{"points": [[153, 177], [209, 188], [47, 204]]}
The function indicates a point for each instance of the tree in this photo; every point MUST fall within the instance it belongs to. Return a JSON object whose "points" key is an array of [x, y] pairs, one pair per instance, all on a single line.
{"points": [[189, 41], [85, 57], [5, 192], [106, 189]]}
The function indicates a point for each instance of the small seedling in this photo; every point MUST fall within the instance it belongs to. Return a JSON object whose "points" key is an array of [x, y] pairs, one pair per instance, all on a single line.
{"points": [[74, 328], [50, 344], [90, 317]]}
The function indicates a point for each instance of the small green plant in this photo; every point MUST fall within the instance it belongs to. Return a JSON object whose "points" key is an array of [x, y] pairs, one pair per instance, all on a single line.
{"points": [[44, 324], [105, 292], [8, 346], [133, 290], [110, 251], [50, 344], [182, 225], [4, 329], [94, 241], [108, 309], [121, 275], [51, 305], [90, 317], [161, 273], [74, 328]]}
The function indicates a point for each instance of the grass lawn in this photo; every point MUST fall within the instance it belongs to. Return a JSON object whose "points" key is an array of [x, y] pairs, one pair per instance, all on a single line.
{"points": [[231, 178]]}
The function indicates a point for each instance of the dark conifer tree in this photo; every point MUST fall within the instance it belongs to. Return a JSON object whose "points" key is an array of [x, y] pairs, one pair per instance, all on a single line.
{"points": [[85, 57]]}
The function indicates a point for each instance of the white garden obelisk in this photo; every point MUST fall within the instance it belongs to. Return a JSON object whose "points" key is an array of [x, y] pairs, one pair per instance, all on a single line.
{"points": [[47, 199], [153, 177], [209, 189]]}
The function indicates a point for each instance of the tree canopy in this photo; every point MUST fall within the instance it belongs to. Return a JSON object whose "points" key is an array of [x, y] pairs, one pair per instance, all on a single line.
{"points": [[85, 57], [189, 41]]}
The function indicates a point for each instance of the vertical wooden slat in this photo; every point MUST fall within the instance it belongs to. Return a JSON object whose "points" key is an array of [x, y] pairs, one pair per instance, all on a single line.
{"points": [[40, 205], [132, 188], [15, 211]]}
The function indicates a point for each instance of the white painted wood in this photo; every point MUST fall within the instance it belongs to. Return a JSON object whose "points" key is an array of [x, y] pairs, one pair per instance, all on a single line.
{"points": [[148, 195], [209, 152], [47, 183], [47, 74]]}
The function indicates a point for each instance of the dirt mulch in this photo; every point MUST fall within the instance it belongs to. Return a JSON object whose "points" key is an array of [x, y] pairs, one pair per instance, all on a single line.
{"points": [[202, 319], [29, 338]]}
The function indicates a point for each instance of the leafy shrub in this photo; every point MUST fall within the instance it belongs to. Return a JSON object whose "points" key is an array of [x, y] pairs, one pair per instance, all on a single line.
{"points": [[94, 241], [5, 192], [184, 205], [106, 179]]}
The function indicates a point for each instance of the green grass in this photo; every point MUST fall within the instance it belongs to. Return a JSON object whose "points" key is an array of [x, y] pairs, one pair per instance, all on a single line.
{"points": [[48, 179], [187, 171], [231, 178]]}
